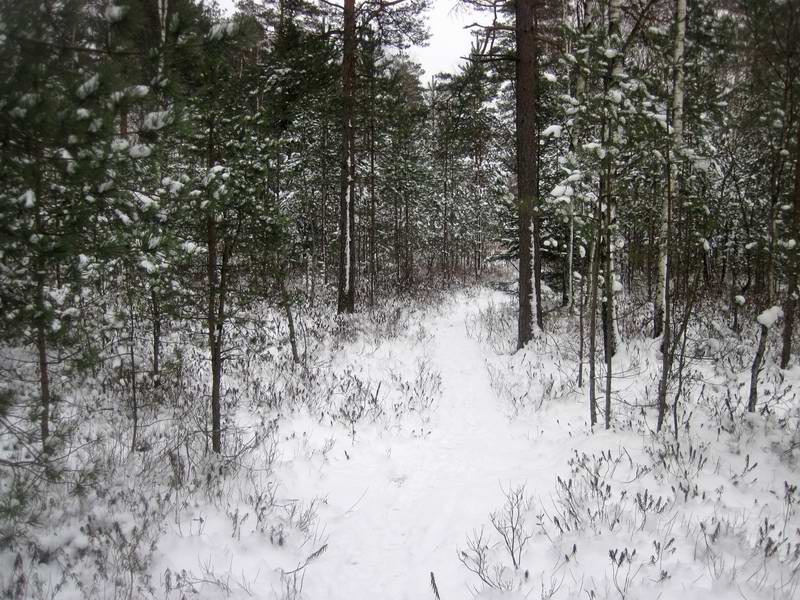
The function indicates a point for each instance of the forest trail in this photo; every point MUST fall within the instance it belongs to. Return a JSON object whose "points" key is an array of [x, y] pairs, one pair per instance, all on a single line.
{"points": [[398, 508]]}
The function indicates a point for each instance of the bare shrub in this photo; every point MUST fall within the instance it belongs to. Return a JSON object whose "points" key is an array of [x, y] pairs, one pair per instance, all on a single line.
{"points": [[358, 399], [420, 394], [482, 555], [494, 325]]}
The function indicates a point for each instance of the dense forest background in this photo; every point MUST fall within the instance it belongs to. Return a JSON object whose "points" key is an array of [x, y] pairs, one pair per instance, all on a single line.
{"points": [[186, 195]]}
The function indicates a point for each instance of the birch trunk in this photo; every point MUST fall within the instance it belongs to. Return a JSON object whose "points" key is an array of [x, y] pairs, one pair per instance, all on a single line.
{"points": [[677, 145]]}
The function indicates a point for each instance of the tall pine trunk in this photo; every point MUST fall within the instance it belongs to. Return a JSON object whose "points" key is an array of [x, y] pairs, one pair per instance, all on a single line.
{"points": [[755, 369], [41, 329], [527, 152], [790, 305], [324, 201], [156, 308], [213, 338], [286, 301], [594, 265], [214, 311], [347, 247], [373, 259], [610, 321]]}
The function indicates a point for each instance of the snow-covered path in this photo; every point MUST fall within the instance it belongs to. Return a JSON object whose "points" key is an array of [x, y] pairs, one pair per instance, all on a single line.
{"points": [[399, 507], [397, 503]]}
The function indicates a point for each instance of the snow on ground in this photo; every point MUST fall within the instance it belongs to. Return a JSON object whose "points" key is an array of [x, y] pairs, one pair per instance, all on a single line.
{"points": [[606, 514], [399, 507], [415, 439], [397, 499]]}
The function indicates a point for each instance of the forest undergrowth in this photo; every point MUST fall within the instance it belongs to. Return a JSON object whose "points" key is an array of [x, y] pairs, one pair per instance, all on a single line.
{"points": [[709, 507], [100, 515]]}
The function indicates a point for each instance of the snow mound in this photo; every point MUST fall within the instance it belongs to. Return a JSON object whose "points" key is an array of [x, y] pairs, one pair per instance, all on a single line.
{"points": [[770, 316]]}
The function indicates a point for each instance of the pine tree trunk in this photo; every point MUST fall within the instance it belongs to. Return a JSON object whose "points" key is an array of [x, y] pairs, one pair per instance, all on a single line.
{"points": [[776, 187], [609, 329], [752, 399], [213, 310], [790, 305], [287, 307], [41, 335], [44, 385], [580, 89], [610, 139], [347, 248], [593, 284], [163, 13], [445, 220], [733, 290], [409, 255], [398, 243], [568, 283], [581, 342], [213, 342], [216, 319], [372, 201], [527, 152], [771, 251], [324, 216], [134, 396], [154, 302], [649, 260]]}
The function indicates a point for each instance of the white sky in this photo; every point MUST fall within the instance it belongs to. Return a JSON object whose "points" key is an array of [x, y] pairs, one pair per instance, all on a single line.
{"points": [[449, 40]]}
